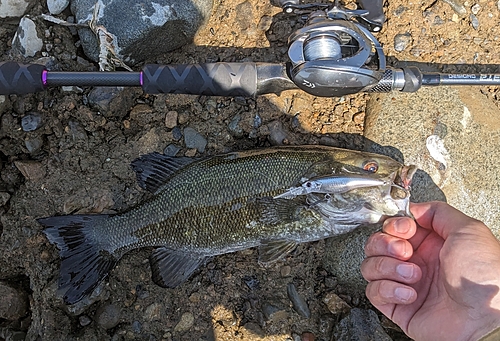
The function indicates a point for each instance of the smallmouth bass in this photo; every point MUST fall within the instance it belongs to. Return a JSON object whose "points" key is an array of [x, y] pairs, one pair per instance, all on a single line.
{"points": [[225, 203]]}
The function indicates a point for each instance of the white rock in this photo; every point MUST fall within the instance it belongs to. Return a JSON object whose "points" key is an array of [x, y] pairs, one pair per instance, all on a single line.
{"points": [[13, 8], [57, 6], [26, 39]]}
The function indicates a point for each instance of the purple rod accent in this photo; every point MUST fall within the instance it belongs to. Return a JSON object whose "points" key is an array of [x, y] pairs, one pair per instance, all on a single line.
{"points": [[141, 78], [44, 78]]}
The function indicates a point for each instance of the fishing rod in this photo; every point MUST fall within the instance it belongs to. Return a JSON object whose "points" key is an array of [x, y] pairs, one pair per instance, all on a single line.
{"points": [[333, 55]]}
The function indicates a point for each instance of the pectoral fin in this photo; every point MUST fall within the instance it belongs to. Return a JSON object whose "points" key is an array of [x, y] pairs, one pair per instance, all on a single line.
{"points": [[271, 251], [275, 211], [171, 268]]}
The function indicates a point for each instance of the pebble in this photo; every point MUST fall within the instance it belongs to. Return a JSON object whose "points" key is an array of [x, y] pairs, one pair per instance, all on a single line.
{"points": [[273, 312], [335, 304], [31, 122], [31, 170], [285, 271], [360, 325], [177, 133], [84, 320], [234, 126], [265, 23], [276, 133], [474, 21], [457, 6], [14, 303], [307, 336], [171, 150], [4, 198], [298, 302], [193, 139], [57, 6], [111, 101], [26, 40], [171, 119], [402, 41], [34, 145], [136, 327], [475, 9], [107, 316], [185, 323], [153, 312]]}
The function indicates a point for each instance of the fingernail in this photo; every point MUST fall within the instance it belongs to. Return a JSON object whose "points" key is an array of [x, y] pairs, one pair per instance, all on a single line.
{"points": [[405, 270], [404, 294], [402, 226], [398, 248]]}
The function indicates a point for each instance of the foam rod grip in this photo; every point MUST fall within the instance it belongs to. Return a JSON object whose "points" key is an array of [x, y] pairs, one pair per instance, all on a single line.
{"points": [[213, 79], [20, 79]]}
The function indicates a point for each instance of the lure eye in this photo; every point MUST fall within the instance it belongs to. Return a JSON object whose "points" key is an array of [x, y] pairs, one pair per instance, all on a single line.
{"points": [[371, 166]]}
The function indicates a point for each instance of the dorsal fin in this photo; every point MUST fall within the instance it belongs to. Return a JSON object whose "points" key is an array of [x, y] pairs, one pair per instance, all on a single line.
{"points": [[154, 169]]}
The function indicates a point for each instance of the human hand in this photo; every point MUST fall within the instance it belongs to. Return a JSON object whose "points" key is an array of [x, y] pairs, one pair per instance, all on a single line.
{"points": [[437, 277]]}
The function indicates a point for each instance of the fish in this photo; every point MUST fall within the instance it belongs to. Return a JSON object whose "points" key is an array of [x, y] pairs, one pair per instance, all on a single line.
{"points": [[204, 207], [331, 184]]}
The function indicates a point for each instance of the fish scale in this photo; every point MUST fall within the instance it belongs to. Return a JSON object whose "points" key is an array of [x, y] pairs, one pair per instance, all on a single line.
{"points": [[225, 203]]}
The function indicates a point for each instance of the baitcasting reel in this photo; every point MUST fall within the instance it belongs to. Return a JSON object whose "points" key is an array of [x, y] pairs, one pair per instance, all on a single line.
{"points": [[335, 54]]}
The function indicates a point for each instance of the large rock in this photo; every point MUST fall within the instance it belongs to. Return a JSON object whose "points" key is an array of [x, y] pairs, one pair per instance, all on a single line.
{"points": [[26, 40], [145, 29], [453, 136], [14, 8]]}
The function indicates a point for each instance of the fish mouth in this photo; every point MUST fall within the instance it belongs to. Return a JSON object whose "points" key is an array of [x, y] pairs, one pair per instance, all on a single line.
{"points": [[403, 177], [400, 189]]}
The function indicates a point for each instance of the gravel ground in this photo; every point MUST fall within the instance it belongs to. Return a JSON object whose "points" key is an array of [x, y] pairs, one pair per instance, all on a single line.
{"points": [[68, 151]]}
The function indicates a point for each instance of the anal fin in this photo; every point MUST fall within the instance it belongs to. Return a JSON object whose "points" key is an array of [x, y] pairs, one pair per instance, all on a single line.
{"points": [[271, 251], [172, 268]]}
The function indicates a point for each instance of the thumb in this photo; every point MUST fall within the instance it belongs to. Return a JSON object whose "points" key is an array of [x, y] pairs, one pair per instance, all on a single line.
{"points": [[441, 217]]}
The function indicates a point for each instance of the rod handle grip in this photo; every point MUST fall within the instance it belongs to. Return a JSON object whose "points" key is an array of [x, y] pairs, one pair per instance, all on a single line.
{"points": [[20, 79]]}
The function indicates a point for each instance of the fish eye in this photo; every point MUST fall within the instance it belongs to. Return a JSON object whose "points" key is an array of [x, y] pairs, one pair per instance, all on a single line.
{"points": [[371, 166]]}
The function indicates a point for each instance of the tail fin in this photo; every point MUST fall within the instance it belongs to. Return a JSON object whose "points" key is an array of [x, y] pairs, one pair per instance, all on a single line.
{"points": [[83, 263]]}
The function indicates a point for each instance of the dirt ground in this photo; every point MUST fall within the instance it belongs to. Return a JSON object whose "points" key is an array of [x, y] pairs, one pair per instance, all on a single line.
{"points": [[77, 161]]}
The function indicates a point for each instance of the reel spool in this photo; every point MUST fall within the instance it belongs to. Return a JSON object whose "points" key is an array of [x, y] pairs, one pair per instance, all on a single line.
{"points": [[334, 55]]}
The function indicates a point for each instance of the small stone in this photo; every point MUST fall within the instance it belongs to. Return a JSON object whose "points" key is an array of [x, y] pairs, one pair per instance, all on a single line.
{"points": [[193, 139], [276, 133], [153, 312], [31, 170], [475, 9], [265, 23], [457, 6], [14, 303], [136, 327], [273, 312], [171, 150], [57, 6], [285, 271], [171, 119], [31, 122], [190, 152], [107, 316], [298, 302], [335, 304], [26, 40], [402, 41], [4, 198], [360, 325], [234, 126], [185, 323], [474, 21], [34, 145], [84, 320], [177, 133], [307, 336]]}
